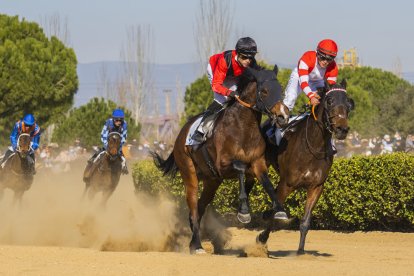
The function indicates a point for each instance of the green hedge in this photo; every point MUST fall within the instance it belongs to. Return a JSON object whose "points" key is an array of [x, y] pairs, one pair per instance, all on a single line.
{"points": [[361, 193]]}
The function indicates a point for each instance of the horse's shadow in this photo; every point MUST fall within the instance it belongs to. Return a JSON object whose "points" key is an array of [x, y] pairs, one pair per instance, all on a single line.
{"points": [[290, 253]]}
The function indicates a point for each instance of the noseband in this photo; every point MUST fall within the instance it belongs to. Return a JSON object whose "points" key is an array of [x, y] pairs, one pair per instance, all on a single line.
{"points": [[328, 123]]}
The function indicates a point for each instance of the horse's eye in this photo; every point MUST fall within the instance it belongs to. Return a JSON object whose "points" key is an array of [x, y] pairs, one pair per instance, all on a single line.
{"points": [[265, 92]]}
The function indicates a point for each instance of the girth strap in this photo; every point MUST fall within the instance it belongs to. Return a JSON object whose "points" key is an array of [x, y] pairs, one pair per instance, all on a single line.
{"points": [[208, 161]]}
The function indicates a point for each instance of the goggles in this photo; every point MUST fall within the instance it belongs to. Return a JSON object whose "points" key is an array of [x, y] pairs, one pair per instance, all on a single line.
{"points": [[244, 57], [326, 57]]}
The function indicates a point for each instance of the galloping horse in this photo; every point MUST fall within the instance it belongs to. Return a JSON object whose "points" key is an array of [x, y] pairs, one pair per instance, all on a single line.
{"points": [[105, 171], [17, 173], [305, 155], [235, 149]]}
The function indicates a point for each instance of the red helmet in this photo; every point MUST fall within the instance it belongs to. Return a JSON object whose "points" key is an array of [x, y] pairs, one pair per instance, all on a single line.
{"points": [[328, 47]]}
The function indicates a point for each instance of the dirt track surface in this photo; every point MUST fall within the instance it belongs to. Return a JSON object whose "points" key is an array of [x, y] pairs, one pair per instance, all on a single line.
{"points": [[54, 233]]}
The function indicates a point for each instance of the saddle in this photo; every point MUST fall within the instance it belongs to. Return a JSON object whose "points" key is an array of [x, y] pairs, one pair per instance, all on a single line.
{"points": [[274, 135]]}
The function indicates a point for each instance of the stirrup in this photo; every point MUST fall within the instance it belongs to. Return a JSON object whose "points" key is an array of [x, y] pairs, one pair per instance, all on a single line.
{"points": [[198, 137]]}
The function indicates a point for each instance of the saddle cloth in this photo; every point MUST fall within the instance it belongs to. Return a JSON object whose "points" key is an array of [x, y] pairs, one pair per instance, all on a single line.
{"points": [[193, 128], [275, 134]]}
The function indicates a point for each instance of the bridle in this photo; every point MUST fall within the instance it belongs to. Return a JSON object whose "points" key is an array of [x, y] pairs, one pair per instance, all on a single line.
{"points": [[326, 124], [19, 150], [113, 157], [260, 105]]}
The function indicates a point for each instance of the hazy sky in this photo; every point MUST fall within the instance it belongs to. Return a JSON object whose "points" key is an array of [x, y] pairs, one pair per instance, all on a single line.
{"points": [[382, 31]]}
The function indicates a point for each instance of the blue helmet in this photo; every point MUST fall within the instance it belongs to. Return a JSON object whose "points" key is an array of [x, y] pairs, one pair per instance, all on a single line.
{"points": [[118, 114], [29, 119]]}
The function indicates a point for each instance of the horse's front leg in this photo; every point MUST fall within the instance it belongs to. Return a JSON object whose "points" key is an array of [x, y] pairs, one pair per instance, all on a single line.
{"points": [[313, 195], [260, 170], [243, 214]]}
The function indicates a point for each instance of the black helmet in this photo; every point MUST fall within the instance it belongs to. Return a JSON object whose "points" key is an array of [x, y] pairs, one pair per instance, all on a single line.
{"points": [[246, 46]]}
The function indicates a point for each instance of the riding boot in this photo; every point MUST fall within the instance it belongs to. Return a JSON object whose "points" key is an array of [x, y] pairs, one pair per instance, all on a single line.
{"points": [[90, 160], [212, 109]]}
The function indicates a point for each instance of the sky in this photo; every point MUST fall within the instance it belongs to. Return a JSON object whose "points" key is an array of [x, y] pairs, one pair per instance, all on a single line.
{"points": [[381, 31]]}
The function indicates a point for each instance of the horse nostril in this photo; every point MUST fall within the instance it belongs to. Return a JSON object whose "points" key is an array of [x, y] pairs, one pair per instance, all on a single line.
{"points": [[344, 129]]}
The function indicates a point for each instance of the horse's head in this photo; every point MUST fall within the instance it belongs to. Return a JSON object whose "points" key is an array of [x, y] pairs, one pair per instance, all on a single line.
{"points": [[337, 106], [23, 144], [267, 95], [114, 143]]}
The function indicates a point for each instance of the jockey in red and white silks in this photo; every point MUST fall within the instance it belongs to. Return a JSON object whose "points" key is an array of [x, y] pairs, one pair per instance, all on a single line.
{"points": [[309, 75]]}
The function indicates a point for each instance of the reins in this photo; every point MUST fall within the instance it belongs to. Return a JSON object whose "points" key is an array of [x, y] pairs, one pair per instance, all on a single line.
{"points": [[242, 102], [327, 125]]}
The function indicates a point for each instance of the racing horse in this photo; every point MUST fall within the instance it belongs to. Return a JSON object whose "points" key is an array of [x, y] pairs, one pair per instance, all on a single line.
{"points": [[103, 174], [17, 173], [235, 149], [305, 154]]}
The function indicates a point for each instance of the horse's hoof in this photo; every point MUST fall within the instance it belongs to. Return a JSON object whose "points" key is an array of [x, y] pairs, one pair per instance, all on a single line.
{"points": [[300, 252], [280, 215], [244, 218], [199, 251]]}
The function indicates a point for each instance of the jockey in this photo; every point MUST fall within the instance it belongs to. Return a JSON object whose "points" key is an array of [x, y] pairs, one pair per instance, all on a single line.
{"points": [[223, 71], [309, 75], [115, 124], [26, 125]]}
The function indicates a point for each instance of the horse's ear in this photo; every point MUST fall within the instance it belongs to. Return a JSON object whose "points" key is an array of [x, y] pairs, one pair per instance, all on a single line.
{"points": [[275, 69], [343, 83]]}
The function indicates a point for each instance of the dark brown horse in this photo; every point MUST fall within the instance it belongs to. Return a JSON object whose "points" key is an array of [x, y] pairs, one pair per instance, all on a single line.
{"points": [[305, 155], [17, 173], [104, 173], [236, 148]]}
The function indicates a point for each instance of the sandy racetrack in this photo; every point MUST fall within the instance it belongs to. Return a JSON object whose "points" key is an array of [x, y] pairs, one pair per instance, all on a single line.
{"points": [[55, 233]]}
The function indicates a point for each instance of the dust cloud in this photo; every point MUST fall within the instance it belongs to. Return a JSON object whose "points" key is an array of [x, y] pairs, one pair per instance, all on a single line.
{"points": [[53, 214]]}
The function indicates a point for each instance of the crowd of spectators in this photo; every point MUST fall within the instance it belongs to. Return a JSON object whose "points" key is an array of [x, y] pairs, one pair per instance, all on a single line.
{"points": [[355, 145], [61, 159]]}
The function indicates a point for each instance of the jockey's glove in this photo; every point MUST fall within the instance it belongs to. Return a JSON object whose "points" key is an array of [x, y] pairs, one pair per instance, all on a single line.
{"points": [[233, 94]]}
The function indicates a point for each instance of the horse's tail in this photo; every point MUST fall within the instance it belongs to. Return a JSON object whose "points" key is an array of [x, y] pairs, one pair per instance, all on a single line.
{"points": [[168, 166]]}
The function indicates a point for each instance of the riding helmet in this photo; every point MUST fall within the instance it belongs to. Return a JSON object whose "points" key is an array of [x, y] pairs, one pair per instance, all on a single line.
{"points": [[246, 46], [29, 119], [118, 113], [328, 47]]}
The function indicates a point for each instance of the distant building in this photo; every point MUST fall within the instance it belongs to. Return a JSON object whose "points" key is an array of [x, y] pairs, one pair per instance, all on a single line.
{"points": [[349, 59]]}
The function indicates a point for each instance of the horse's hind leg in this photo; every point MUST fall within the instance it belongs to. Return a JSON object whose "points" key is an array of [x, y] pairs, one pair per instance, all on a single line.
{"points": [[313, 195], [207, 195]]}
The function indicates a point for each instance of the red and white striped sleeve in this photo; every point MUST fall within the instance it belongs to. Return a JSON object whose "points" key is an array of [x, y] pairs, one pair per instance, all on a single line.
{"points": [[305, 66], [331, 73]]}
